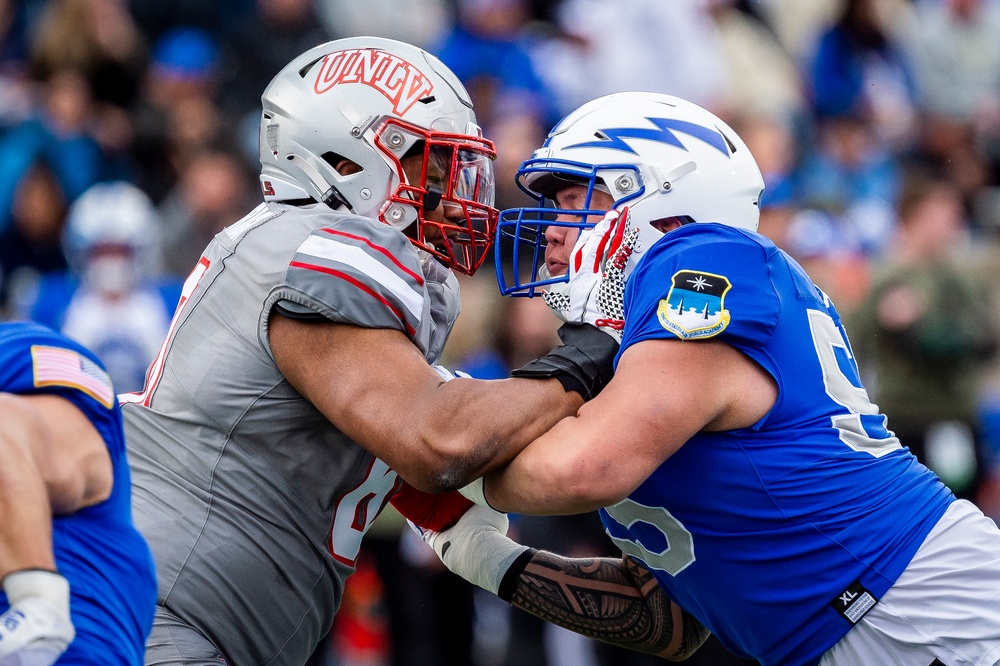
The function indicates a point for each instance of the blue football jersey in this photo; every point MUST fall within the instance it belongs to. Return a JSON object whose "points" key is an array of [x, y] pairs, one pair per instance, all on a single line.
{"points": [[780, 536], [107, 562]]}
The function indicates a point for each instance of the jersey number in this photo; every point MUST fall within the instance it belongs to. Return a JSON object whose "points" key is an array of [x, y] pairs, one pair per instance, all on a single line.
{"points": [[357, 508], [862, 428], [156, 367], [677, 549]]}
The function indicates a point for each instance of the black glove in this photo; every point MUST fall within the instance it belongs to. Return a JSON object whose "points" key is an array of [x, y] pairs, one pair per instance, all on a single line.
{"points": [[583, 363]]}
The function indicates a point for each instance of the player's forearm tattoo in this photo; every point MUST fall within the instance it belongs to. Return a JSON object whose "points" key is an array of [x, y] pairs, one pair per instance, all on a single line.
{"points": [[616, 601]]}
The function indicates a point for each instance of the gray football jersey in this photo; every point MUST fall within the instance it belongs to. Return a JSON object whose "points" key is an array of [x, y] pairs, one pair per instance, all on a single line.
{"points": [[253, 503]]}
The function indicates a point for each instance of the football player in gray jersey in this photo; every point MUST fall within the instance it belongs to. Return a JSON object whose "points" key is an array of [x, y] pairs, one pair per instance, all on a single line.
{"points": [[297, 378]]}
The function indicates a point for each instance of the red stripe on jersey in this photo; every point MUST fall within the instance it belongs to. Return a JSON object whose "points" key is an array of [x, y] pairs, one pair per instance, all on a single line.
{"points": [[378, 248], [360, 285]]}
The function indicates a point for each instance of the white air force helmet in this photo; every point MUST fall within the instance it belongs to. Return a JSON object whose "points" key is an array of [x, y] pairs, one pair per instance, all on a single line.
{"points": [[373, 101], [661, 156], [115, 214]]}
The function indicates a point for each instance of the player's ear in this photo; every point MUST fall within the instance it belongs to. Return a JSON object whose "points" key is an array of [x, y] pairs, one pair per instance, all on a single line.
{"points": [[346, 167]]}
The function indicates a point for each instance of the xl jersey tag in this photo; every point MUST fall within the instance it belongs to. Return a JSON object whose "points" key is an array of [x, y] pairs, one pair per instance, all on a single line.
{"points": [[695, 305], [854, 602]]}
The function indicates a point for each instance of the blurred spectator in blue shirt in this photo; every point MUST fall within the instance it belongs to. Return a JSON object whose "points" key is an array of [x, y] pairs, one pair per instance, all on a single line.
{"points": [[858, 70], [488, 49], [30, 246], [850, 176], [58, 134], [179, 115]]}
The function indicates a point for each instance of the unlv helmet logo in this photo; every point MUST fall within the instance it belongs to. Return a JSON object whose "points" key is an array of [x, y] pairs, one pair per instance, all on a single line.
{"points": [[400, 81]]}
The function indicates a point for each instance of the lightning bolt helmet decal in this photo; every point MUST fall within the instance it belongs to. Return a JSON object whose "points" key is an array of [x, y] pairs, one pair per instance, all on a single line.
{"points": [[613, 138]]}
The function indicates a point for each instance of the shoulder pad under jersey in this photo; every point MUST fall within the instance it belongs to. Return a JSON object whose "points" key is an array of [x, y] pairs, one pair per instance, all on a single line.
{"points": [[36, 359], [359, 272]]}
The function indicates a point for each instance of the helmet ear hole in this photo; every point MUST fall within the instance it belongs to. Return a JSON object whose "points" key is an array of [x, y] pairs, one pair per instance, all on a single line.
{"points": [[341, 164]]}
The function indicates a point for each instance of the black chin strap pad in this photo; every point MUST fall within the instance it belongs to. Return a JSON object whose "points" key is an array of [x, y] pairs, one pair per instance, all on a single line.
{"points": [[335, 199], [432, 199]]}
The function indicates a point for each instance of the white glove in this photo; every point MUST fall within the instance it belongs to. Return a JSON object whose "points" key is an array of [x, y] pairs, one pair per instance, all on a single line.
{"points": [[596, 291], [476, 547], [447, 375], [37, 628], [475, 492]]}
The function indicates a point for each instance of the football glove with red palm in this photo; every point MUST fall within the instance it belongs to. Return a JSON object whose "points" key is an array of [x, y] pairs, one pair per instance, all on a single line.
{"points": [[431, 511]]}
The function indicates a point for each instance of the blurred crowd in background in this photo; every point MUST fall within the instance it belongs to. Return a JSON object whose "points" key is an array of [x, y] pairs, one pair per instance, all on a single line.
{"points": [[128, 138]]}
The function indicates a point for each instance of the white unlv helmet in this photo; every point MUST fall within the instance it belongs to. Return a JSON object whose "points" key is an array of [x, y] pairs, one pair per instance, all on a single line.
{"points": [[374, 101], [661, 156]]}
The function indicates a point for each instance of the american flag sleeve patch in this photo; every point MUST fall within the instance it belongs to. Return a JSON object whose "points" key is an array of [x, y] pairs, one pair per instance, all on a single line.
{"points": [[57, 366]]}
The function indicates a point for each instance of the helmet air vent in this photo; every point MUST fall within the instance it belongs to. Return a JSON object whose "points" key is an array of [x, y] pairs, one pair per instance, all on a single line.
{"points": [[732, 146], [305, 69]]}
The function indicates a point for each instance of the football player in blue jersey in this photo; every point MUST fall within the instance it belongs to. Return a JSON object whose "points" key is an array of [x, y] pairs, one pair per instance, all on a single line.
{"points": [[735, 457], [78, 579]]}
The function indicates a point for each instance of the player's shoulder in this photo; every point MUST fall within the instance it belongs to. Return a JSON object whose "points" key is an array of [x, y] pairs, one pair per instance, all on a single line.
{"points": [[707, 246], [701, 281], [368, 234], [17, 337], [35, 358], [355, 270], [721, 237], [358, 245]]}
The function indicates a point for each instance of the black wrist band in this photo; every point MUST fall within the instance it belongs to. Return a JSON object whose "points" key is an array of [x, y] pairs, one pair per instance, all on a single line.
{"points": [[544, 369], [509, 581], [583, 363]]}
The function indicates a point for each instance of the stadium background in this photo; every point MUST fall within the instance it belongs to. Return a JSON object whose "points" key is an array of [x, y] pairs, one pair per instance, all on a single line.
{"points": [[876, 124]]}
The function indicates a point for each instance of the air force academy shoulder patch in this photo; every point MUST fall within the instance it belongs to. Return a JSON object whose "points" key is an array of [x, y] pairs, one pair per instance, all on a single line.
{"points": [[694, 306]]}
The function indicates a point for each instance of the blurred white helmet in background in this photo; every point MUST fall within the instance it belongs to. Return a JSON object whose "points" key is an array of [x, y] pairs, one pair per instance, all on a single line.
{"points": [[113, 218]]}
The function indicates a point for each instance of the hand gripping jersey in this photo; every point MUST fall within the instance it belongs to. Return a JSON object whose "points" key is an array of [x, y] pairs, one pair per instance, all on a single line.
{"points": [[99, 551], [777, 537], [254, 503]]}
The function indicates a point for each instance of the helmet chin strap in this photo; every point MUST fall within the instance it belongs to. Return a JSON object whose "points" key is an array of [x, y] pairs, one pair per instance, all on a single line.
{"points": [[331, 196], [667, 180]]}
